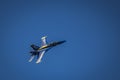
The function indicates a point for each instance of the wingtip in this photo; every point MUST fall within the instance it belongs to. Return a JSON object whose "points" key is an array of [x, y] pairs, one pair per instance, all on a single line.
{"points": [[63, 41], [44, 37], [38, 62], [29, 60]]}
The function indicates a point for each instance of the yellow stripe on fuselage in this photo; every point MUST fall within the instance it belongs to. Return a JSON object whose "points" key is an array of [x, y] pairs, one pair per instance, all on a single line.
{"points": [[43, 47]]}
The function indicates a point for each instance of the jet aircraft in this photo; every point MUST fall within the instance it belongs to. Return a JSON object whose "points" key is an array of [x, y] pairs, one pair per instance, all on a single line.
{"points": [[39, 51]]}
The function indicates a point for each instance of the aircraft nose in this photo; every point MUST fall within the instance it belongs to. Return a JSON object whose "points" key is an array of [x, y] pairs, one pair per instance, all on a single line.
{"points": [[62, 41]]}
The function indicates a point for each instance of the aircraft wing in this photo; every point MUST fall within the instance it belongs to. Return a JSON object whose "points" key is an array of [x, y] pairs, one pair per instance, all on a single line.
{"points": [[32, 57], [40, 55], [44, 40]]}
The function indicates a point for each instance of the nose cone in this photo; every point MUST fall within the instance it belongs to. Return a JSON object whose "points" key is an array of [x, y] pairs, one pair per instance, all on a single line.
{"points": [[62, 41]]}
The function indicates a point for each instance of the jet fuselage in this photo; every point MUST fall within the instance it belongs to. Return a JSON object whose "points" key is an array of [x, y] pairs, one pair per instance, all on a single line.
{"points": [[51, 45], [38, 49]]}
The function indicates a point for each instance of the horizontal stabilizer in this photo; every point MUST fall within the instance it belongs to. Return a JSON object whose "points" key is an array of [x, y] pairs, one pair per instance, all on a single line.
{"points": [[35, 47]]}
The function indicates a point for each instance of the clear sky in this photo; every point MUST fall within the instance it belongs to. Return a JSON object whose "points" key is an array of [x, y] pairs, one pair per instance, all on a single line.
{"points": [[91, 29]]}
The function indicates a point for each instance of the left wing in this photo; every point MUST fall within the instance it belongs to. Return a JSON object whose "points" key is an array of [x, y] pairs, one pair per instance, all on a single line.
{"points": [[40, 55], [32, 57]]}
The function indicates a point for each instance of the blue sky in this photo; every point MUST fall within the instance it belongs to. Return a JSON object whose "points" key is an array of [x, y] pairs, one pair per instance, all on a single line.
{"points": [[91, 29]]}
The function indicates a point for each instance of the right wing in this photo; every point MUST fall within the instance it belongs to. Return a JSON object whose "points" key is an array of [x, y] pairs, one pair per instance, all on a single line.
{"points": [[40, 55], [44, 40]]}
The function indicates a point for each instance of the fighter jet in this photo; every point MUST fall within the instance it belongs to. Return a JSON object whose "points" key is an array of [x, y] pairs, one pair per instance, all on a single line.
{"points": [[39, 51]]}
